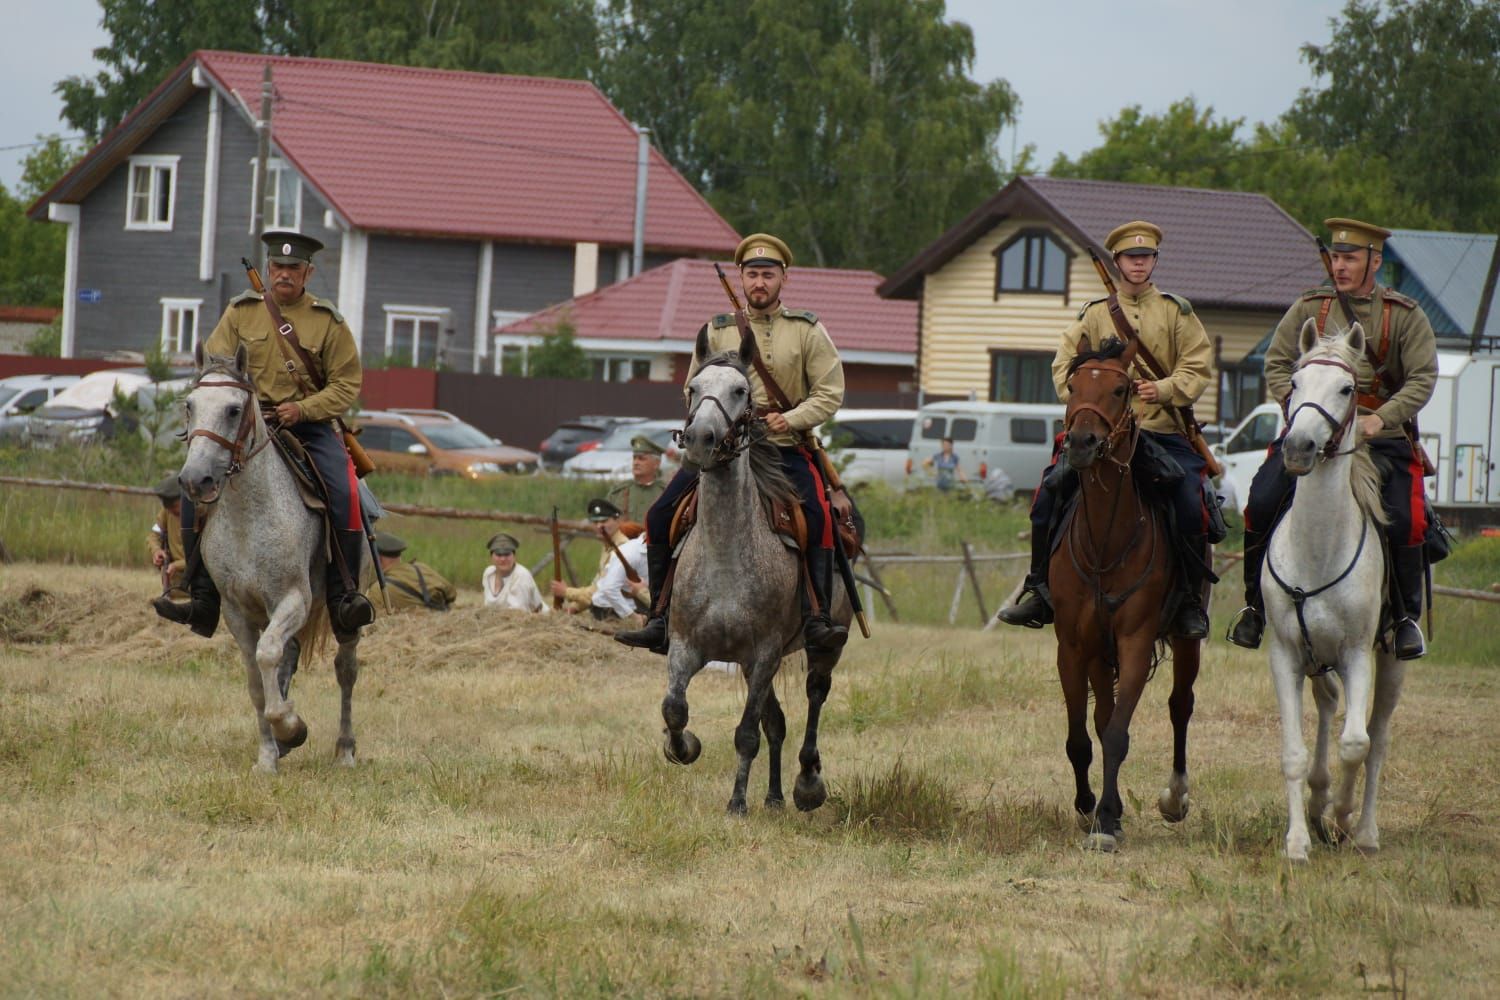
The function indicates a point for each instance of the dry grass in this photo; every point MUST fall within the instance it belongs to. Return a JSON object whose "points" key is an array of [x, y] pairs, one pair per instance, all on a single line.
{"points": [[513, 829]]}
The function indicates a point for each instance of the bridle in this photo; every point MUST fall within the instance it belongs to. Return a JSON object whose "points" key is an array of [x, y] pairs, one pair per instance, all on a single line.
{"points": [[735, 440], [244, 435], [1340, 427], [1119, 426]]}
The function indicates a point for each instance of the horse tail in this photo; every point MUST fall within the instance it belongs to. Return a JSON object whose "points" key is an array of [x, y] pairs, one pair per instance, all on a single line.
{"points": [[313, 635]]}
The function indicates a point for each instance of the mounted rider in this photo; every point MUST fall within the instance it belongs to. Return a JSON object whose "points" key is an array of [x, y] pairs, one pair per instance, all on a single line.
{"points": [[801, 358], [1395, 377], [1168, 327], [309, 416]]}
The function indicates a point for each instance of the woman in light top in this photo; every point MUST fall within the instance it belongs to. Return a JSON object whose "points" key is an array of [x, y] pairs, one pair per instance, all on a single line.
{"points": [[506, 583]]}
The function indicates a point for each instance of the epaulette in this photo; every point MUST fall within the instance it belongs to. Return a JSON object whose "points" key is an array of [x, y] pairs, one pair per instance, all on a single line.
{"points": [[722, 320], [1321, 292], [246, 296], [330, 307], [805, 314], [1182, 303], [1091, 302], [1405, 301]]}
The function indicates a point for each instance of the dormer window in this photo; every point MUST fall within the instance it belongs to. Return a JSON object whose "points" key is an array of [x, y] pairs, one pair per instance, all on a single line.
{"points": [[1032, 262]]}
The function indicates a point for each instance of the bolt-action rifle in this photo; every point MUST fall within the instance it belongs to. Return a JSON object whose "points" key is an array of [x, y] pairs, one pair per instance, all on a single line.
{"points": [[557, 601]]}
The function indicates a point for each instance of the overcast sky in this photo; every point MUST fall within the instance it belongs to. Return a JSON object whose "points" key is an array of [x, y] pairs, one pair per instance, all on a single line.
{"points": [[1074, 63]]}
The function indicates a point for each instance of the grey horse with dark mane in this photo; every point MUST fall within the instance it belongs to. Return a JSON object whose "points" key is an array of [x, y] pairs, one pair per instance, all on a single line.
{"points": [[265, 551], [735, 589]]}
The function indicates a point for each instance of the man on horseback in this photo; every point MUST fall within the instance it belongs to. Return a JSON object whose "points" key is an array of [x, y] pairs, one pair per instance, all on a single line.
{"points": [[1396, 377], [802, 360], [282, 386], [1167, 326]]}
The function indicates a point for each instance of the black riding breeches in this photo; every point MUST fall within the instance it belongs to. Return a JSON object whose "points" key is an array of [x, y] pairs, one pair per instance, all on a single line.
{"points": [[326, 449], [1401, 491]]}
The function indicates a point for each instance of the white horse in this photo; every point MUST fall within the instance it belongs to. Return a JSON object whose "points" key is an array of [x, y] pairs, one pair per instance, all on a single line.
{"points": [[265, 552], [1324, 579]]}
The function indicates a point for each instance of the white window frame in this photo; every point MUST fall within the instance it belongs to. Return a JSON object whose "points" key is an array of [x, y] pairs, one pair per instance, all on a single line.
{"points": [[504, 342], [171, 324], [437, 315], [612, 359], [277, 171], [158, 165]]}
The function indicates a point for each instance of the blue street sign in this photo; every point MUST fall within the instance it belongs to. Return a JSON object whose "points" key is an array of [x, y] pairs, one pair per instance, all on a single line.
{"points": [[89, 295]]}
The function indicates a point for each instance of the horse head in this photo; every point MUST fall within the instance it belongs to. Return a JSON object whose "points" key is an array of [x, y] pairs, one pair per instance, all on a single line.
{"points": [[1099, 418], [717, 432], [222, 420], [1324, 399]]}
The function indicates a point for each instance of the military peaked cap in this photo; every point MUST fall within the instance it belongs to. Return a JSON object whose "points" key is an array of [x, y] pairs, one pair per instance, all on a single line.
{"points": [[642, 445], [168, 489], [762, 248], [602, 510], [1350, 235], [388, 544], [286, 246], [1133, 239], [503, 544]]}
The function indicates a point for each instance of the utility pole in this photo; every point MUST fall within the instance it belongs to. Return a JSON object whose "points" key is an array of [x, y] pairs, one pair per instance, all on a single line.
{"points": [[642, 159], [262, 158]]}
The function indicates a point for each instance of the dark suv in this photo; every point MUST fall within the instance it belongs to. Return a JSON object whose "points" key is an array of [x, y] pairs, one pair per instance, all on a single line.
{"points": [[578, 435]]}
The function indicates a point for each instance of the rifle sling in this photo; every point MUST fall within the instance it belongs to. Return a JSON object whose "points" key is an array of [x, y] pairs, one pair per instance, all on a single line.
{"points": [[1154, 368], [286, 339], [772, 389]]}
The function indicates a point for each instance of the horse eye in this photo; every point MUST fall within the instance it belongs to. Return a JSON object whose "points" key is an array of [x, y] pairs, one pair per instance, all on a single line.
{"points": [[234, 411], [739, 390], [1346, 390], [1294, 385], [1120, 391]]}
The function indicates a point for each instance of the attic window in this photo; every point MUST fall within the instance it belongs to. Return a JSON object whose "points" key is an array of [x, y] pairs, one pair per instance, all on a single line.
{"points": [[1032, 262], [283, 206], [153, 182]]}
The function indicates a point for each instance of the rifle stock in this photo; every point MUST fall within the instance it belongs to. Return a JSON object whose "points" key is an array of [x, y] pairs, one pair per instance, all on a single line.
{"points": [[609, 543], [1192, 430], [557, 601]]}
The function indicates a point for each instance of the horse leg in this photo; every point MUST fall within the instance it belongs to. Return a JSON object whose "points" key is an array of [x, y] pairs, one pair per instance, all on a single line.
{"points": [[1389, 675], [346, 668], [1173, 803], [747, 734], [679, 744], [773, 723], [245, 638], [1135, 664], [1286, 675], [286, 619], [1354, 742], [809, 792], [1325, 692], [1080, 748]]}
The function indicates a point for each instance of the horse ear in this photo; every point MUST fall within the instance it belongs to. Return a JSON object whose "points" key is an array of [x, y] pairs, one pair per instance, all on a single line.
{"points": [[747, 348], [700, 346], [198, 355], [241, 358], [1308, 338], [1355, 338]]}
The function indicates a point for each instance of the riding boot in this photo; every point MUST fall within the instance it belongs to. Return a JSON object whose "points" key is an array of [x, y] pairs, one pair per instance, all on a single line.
{"points": [[1191, 621], [652, 635], [1250, 623], [201, 612], [1407, 571], [818, 630], [1036, 610], [348, 609]]}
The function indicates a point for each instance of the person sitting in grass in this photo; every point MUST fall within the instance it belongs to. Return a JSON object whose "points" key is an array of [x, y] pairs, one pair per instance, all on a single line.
{"points": [[506, 583]]}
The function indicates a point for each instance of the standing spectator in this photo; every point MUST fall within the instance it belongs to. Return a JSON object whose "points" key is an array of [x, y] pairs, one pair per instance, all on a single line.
{"points": [[947, 466], [506, 583]]}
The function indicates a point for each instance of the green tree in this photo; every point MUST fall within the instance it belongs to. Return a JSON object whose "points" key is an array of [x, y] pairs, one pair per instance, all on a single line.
{"points": [[32, 253], [1184, 146], [849, 127], [1416, 84], [558, 356]]}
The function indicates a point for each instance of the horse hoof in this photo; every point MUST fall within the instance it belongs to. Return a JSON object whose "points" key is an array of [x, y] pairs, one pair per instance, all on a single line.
{"points": [[684, 750], [1085, 820], [809, 792], [1320, 829], [736, 807], [775, 802], [1105, 843], [298, 737], [343, 753], [1172, 810]]}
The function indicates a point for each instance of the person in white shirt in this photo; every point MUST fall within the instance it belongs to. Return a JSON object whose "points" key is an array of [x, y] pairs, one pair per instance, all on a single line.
{"points": [[615, 596], [506, 583]]}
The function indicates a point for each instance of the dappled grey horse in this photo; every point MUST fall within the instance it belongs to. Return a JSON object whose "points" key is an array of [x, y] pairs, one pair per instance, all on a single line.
{"points": [[265, 551], [735, 590]]}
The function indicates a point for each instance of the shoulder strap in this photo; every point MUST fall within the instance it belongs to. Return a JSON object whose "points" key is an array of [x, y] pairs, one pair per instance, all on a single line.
{"points": [[772, 389], [1323, 314], [286, 341]]}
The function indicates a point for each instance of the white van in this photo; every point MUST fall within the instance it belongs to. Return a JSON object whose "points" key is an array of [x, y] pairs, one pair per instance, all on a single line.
{"points": [[1015, 438], [872, 442], [1243, 451]]}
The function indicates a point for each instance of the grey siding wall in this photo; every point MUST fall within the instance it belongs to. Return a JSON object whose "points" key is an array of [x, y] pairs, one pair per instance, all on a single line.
{"points": [[528, 278], [408, 271]]}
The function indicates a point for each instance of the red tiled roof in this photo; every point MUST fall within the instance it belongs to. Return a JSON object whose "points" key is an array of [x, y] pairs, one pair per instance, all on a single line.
{"points": [[28, 314], [672, 301], [406, 149], [1230, 249]]}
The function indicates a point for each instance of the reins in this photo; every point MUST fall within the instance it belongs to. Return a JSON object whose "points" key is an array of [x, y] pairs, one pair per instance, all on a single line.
{"points": [[1340, 427], [735, 440], [238, 456]]}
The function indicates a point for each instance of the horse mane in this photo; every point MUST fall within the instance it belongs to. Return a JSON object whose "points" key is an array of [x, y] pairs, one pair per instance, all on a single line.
{"points": [[771, 481], [1108, 351], [1364, 477]]}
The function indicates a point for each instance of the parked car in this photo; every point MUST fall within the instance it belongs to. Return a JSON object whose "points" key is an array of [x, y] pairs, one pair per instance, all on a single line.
{"points": [[611, 458], [871, 444], [580, 434], [21, 394], [435, 442], [1244, 449], [88, 411], [1015, 438]]}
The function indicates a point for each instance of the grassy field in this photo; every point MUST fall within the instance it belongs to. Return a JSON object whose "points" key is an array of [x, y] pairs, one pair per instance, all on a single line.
{"points": [[512, 828]]}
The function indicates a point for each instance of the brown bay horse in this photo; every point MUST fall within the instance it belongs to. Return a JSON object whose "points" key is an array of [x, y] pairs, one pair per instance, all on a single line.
{"points": [[1111, 576]]}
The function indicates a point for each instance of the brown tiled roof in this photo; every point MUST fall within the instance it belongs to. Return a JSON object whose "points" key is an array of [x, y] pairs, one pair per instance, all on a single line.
{"points": [[1229, 249], [669, 303]]}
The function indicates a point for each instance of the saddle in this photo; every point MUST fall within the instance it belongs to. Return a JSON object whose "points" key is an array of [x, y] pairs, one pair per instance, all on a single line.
{"points": [[309, 486], [786, 520]]}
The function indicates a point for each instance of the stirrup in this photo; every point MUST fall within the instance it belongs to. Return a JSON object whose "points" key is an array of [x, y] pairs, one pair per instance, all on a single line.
{"points": [[820, 632], [1190, 622], [172, 611], [652, 635], [348, 613], [1247, 628], [1408, 643], [1034, 612]]}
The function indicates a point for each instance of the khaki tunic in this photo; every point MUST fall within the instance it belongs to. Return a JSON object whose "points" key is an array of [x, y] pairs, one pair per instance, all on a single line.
{"points": [[169, 541], [799, 355], [406, 573], [1410, 360], [324, 336], [634, 500], [582, 597], [1169, 330]]}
